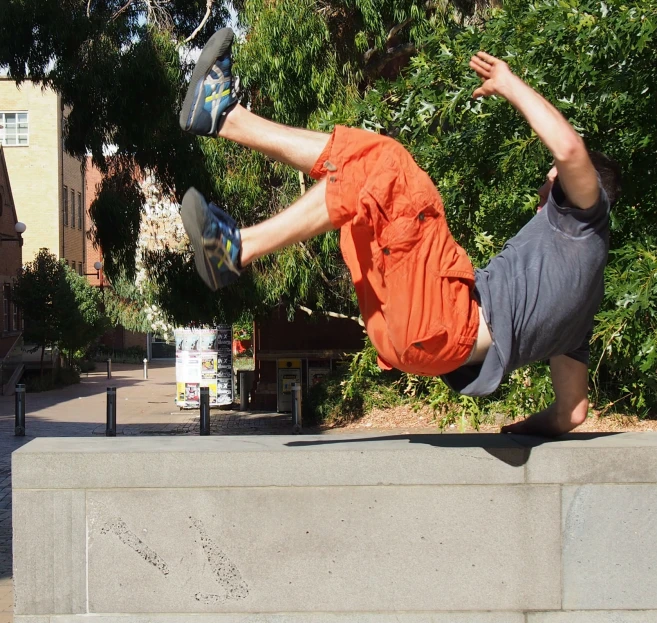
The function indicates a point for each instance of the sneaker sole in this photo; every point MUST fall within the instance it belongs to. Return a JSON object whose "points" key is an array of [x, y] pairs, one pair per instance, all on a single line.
{"points": [[194, 216], [213, 49]]}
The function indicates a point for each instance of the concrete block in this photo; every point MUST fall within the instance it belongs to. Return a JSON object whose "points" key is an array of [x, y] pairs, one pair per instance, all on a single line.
{"points": [[324, 549], [586, 458], [357, 617], [49, 552], [321, 460], [596, 616], [610, 547]]}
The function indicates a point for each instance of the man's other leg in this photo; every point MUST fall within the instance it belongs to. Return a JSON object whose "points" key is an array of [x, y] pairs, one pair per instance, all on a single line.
{"points": [[304, 219]]}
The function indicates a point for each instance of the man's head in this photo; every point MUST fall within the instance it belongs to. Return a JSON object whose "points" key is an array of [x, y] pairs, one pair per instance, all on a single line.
{"points": [[608, 170]]}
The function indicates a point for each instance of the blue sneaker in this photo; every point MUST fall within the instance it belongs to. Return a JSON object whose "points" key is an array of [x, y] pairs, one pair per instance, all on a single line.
{"points": [[212, 90], [216, 240]]}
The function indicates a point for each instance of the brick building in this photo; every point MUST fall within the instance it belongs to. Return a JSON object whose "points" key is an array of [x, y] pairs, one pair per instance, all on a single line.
{"points": [[10, 262], [48, 184]]}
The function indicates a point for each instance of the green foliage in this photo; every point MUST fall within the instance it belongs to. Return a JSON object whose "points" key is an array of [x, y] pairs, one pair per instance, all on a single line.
{"points": [[60, 377], [83, 320], [626, 334], [116, 213], [318, 64], [132, 354], [595, 61], [59, 307], [37, 292], [350, 393]]}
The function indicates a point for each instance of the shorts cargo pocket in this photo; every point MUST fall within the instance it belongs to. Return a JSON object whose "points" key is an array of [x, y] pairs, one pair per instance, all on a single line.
{"points": [[398, 241]]}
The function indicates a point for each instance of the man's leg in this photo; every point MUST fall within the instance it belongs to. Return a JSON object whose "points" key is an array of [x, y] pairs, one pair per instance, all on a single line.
{"points": [[304, 219], [210, 108], [294, 146]]}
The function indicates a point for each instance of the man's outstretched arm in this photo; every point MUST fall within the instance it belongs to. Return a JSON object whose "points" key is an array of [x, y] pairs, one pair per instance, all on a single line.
{"points": [[577, 175], [570, 381]]}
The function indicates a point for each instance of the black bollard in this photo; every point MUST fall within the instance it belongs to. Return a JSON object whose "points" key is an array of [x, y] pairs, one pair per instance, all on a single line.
{"points": [[110, 427], [296, 408], [19, 430], [109, 368], [205, 410]]}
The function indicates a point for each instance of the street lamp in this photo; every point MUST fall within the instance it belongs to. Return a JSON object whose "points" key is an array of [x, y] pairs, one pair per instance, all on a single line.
{"points": [[97, 267], [19, 228]]}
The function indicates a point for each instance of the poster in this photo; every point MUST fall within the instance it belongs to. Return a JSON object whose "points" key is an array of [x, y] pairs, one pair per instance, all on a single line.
{"points": [[204, 358]]}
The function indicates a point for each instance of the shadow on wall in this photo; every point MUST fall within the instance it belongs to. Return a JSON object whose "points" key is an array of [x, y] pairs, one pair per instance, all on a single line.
{"points": [[513, 450]]}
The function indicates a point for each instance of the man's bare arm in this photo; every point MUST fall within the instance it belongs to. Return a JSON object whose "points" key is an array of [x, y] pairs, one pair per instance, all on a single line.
{"points": [[577, 174], [570, 381]]}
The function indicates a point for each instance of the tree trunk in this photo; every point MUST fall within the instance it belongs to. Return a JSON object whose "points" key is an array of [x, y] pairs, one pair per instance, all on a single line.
{"points": [[43, 350]]}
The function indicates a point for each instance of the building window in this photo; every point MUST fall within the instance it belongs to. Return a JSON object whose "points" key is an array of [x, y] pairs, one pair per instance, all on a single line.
{"points": [[16, 324], [79, 210], [14, 129], [65, 206], [72, 208], [80, 269], [73, 266], [6, 301]]}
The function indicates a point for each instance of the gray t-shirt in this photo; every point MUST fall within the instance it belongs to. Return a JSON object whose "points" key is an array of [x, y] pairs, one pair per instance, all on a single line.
{"points": [[540, 294]]}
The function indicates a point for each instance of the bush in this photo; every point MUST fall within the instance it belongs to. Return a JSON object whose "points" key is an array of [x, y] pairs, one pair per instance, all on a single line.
{"points": [[351, 393], [52, 379], [132, 354], [595, 62]]}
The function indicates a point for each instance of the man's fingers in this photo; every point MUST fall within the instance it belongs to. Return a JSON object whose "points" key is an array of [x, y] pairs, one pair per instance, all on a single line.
{"points": [[482, 69], [491, 60], [478, 93]]}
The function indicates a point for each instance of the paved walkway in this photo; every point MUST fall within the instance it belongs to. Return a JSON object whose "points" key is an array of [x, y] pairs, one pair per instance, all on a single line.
{"points": [[144, 407]]}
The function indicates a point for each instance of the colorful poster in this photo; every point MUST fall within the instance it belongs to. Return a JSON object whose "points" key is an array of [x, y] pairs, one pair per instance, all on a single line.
{"points": [[204, 359]]}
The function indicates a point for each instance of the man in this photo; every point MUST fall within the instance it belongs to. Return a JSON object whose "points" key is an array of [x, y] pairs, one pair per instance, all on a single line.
{"points": [[425, 309]]}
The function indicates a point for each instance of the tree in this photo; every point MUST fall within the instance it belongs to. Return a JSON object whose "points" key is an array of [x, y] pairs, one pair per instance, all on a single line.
{"points": [[37, 291], [81, 319], [59, 307]]}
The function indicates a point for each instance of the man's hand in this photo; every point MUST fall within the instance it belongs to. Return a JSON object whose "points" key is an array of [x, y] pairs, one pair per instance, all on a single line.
{"points": [[577, 175], [494, 73], [570, 382]]}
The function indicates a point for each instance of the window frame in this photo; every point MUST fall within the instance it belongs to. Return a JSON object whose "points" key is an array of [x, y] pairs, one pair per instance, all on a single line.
{"points": [[80, 219], [3, 130], [65, 206], [72, 208], [6, 308]]}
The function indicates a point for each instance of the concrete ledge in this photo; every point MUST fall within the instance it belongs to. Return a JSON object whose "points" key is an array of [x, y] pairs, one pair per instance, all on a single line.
{"points": [[337, 528]]}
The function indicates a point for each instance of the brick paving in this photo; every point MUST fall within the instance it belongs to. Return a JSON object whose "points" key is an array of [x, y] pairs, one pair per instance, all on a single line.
{"points": [[144, 407]]}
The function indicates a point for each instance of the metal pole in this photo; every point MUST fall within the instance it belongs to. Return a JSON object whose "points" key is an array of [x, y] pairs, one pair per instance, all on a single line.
{"points": [[146, 368], [205, 410], [109, 368], [244, 391], [110, 427], [296, 408], [19, 430]]}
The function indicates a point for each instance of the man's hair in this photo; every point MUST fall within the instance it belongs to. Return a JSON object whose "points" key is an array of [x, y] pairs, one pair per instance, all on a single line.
{"points": [[610, 174]]}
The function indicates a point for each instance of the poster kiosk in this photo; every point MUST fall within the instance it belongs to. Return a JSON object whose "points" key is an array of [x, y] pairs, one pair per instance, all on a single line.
{"points": [[204, 358]]}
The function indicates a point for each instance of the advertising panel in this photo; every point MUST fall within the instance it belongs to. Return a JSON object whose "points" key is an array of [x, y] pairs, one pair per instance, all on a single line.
{"points": [[204, 358]]}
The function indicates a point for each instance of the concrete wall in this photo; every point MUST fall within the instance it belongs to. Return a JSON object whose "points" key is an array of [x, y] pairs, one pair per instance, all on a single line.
{"points": [[336, 529]]}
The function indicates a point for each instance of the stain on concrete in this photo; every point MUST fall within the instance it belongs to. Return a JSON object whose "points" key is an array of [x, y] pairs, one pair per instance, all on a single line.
{"points": [[118, 527], [224, 571]]}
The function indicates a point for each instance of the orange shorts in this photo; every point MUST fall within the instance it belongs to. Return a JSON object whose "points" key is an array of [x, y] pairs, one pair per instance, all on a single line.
{"points": [[413, 281]]}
